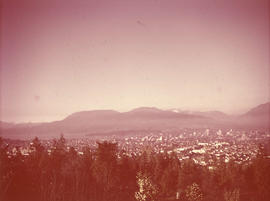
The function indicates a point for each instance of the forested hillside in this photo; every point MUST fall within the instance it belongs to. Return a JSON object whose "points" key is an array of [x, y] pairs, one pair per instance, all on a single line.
{"points": [[109, 174]]}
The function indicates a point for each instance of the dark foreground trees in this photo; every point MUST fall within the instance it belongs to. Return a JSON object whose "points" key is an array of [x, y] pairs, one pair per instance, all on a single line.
{"points": [[109, 174]]}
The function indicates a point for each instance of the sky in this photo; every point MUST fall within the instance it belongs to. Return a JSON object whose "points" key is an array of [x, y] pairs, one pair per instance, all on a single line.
{"points": [[63, 56]]}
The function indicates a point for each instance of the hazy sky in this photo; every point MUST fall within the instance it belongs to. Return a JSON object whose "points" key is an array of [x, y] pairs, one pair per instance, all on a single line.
{"points": [[60, 56]]}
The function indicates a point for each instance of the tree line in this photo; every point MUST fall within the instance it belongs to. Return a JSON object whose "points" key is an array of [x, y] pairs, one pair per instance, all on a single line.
{"points": [[109, 174]]}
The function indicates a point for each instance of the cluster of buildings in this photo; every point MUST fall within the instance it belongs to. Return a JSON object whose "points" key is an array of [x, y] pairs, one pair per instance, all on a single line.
{"points": [[203, 146]]}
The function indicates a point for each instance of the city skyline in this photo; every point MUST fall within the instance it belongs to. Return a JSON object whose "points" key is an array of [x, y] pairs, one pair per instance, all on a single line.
{"points": [[62, 57]]}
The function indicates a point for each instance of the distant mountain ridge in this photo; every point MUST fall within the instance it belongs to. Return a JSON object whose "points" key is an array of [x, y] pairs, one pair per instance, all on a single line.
{"points": [[144, 118], [6, 125], [91, 114], [259, 115], [211, 114], [260, 110]]}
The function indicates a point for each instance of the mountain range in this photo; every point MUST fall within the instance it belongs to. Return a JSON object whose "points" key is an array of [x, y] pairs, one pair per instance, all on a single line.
{"points": [[144, 118]]}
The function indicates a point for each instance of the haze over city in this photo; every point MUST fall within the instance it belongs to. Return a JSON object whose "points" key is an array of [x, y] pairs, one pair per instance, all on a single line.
{"points": [[61, 57], [134, 100]]}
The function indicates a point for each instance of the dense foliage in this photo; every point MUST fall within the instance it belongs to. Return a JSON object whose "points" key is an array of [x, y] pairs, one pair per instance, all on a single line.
{"points": [[109, 174]]}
